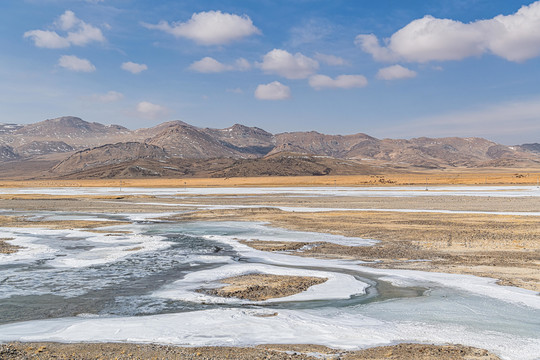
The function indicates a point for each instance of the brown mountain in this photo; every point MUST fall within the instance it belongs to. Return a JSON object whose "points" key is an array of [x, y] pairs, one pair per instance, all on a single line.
{"points": [[247, 140], [147, 133], [109, 155], [73, 131], [186, 141], [534, 148], [9, 128], [171, 148], [292, 164], [7, 153], [43, 147], [420, 152], [338, 146]]}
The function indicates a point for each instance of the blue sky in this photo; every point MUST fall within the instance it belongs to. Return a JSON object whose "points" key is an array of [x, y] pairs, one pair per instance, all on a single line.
{"points": [[389, 68]]}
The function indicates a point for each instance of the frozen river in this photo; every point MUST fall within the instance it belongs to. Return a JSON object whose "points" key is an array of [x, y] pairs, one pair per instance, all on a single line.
{"points": [[138, 282]]}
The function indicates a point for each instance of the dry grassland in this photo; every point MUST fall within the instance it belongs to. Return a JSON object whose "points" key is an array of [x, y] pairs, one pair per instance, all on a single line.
{"points": [[450, 177]]}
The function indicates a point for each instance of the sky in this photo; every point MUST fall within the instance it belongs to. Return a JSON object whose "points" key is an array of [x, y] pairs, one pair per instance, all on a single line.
{"points": [[388, 68]]}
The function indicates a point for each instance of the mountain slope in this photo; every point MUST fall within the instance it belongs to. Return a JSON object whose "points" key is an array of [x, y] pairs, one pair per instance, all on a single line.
{"points": [[248, 140], [108, 155], [236, 151], [191, 143], [7, 153], [74, 131]]}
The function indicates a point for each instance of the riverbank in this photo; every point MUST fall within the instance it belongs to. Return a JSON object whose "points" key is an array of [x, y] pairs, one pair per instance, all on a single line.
{"points": [[50, 351]]}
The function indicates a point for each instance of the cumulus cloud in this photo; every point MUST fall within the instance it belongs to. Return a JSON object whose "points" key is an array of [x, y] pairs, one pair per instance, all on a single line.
{"points": [[77, 33], [283, 63], [209, 65], [514, 37], [331, 60], [74, 63], [395, 72], [151, 111], [210, 28], [242, 64], [134, 68], [320, 82], [111, 96], [273, 91]]}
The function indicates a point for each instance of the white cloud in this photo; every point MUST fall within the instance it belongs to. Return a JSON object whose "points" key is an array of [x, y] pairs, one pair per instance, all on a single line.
{"points": [[331, 60], [81, 34], [47, 39], [235, 91], [210, 28], [395, 72], [514, 37], [134, 68], [242, 64], [319, 82], [151, 111], [67, 20], [290, 66], [111, 96], [273, 91], [209, 65], [74, 63], [85, 34]]}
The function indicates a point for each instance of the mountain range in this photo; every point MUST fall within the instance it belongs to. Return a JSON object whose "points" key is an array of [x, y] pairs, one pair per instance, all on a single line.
{"points": [[69, 147]]}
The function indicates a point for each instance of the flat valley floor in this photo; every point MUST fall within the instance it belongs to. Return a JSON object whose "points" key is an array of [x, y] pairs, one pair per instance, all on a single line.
{"points": [[455, 236]]}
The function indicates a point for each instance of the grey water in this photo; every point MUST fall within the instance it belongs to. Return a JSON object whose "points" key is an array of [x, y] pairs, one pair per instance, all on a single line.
{"points": [[36, 289]]}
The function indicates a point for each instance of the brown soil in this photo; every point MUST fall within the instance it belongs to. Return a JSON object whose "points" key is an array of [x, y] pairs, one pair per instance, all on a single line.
{"points": [[276, 245], [7, 248], [260, 287], [16, 221], [49, 351]]}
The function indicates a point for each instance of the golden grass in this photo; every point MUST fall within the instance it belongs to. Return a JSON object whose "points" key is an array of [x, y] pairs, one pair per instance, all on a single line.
{"points": [[447, 177]]}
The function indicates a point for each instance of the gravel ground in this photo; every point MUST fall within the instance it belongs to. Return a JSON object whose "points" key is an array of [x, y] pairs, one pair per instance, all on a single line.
{"points": [[49, 351]]}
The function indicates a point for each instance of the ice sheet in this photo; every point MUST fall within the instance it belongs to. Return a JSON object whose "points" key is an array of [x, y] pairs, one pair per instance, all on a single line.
{"points": [[337, 286], [392, 191], [237, 327]]}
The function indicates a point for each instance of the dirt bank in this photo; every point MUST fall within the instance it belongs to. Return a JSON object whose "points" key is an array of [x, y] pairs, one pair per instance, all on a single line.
{"points": [[49, 351], [260, 287]]}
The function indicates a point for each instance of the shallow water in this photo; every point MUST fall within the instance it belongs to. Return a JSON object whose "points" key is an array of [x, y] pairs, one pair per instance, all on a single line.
{"points": [[136, 287]]}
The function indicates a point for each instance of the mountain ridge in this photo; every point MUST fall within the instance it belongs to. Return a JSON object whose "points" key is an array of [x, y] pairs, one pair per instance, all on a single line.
{"points": [[80, 145]]}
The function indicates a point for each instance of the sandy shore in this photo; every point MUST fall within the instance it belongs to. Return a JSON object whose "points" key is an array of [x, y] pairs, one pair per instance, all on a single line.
{"points": [[49, 351]]}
